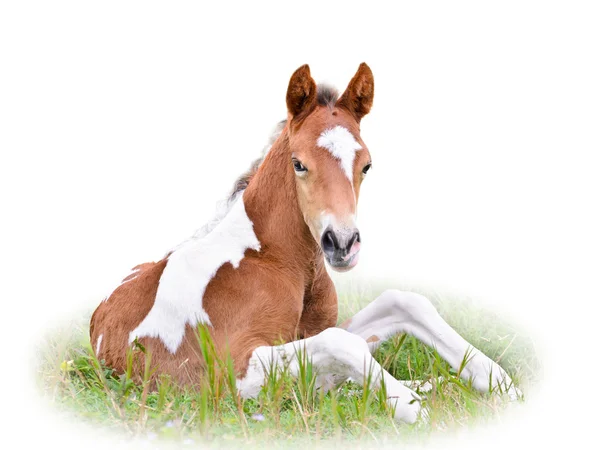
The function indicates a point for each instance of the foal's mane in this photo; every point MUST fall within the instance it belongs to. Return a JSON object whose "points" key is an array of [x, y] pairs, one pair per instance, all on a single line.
{"points": [[326, 96]]}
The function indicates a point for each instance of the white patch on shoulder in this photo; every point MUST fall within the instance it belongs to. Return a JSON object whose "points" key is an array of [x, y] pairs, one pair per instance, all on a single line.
{"points": [[223, 208], [188, 271], [342, 145], [98, 342]]}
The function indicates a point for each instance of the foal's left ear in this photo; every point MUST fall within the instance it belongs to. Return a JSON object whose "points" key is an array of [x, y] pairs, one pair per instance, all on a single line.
{"points": [[358, 96]]}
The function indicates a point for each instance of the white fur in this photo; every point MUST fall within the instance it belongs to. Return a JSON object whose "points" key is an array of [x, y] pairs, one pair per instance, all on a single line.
{"points": [[396, 312], [188, 271], [224, 206], [344, 229], [326, 220], [335, 354], [98, 342], [342, 145]]}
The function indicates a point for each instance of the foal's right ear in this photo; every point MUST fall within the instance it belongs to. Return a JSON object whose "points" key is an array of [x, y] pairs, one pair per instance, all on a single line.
{"points": [[302, 92]]}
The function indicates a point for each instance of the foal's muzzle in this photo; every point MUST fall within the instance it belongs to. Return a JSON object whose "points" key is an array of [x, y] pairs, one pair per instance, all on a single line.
{"points": [[341, 248]]}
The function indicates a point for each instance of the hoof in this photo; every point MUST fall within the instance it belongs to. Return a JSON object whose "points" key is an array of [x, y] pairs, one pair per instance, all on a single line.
{"points": [[407, 407]]}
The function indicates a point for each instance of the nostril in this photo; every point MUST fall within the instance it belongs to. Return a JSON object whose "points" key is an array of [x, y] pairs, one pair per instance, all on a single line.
{"points": [[328, 242], [355, 238]]}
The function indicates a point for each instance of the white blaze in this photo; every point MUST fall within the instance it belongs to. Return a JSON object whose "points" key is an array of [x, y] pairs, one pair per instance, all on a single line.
{"points": [[342, 145], [188, 271]]}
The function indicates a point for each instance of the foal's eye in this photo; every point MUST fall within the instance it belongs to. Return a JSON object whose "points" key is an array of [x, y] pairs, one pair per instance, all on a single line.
{"points": [[366, 168], [298, 167]]}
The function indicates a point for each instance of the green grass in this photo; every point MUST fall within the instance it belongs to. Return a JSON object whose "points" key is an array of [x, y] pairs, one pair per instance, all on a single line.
{"points": [[287, 413]]}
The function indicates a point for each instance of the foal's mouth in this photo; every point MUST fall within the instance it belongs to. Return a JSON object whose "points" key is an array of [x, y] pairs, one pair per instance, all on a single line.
{"points": [[344, 262]]}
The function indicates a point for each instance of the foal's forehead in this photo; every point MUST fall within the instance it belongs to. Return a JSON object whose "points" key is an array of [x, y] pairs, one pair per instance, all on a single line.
{"points": [[334, 133], [342, 145]]}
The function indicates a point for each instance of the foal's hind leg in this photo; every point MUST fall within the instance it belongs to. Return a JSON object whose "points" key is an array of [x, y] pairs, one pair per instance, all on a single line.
{"points": [[333, 352], [396, 312]]}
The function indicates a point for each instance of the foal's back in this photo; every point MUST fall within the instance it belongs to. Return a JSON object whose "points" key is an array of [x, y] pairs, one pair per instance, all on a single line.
{"points": [[237, 303]]}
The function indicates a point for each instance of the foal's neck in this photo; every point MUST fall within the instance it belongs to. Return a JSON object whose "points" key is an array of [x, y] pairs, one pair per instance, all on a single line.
{"points": [[272, 205]]}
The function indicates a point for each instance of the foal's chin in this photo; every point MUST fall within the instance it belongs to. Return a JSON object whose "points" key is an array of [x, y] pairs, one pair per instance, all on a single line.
{"points": [[341, 265]]}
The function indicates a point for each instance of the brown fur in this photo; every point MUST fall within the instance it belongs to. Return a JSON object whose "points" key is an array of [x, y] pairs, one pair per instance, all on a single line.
{"points": [[282, 292], [346, 323]]}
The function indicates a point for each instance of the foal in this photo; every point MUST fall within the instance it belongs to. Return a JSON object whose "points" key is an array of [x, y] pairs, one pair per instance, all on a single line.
{"points": [[256, 276]]}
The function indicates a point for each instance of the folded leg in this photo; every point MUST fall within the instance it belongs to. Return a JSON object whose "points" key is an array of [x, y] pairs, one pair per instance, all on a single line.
{"points": [[396, 312], [334, 353]]}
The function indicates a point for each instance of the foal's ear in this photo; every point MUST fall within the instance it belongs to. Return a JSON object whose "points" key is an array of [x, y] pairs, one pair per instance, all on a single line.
{"points": [[302, 92], [358, 96]]}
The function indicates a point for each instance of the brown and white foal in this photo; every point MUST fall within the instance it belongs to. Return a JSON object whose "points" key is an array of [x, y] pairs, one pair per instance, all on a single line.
{"points": [[256, 276]]}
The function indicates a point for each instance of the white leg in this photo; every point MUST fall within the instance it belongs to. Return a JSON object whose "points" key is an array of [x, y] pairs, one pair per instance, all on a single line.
{"points": [[333, 352], [396, 312]]}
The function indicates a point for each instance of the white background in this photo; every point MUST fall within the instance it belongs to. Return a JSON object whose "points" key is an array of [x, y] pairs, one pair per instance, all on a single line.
{"points": [[123, 123]]}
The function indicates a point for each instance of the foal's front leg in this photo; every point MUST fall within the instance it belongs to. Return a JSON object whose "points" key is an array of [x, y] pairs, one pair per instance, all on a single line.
{"points": [[333, 352], [396, 312]]}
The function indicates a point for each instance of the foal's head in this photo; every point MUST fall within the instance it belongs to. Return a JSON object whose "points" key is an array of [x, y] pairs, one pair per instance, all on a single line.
{"points": [[330, 160]]}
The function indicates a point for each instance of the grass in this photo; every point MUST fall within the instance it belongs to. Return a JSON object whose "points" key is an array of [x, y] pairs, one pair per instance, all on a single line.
{"points": [[288, 412]]}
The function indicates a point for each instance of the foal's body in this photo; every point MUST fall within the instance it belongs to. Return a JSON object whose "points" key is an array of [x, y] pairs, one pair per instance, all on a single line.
{"points": [[279, 292], [258, 277]]}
